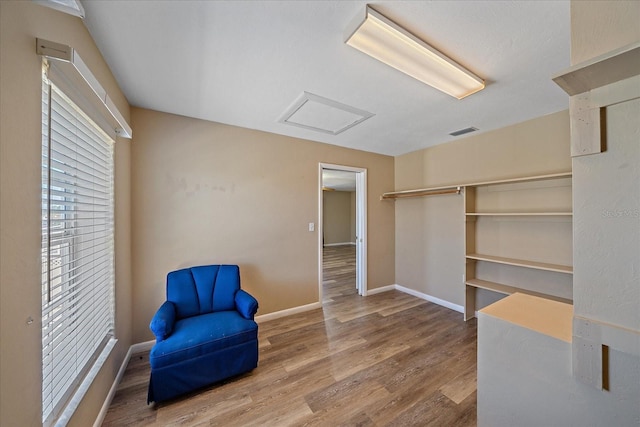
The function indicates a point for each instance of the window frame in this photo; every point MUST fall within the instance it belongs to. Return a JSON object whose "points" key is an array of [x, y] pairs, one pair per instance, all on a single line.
{"points": [[64, 303]]}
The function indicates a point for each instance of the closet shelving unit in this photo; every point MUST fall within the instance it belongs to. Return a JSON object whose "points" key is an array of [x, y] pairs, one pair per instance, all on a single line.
{"points": [[517, 236]]}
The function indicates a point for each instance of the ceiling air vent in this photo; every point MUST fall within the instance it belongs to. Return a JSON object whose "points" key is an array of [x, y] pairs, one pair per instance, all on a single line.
{"points": [[320, 114], [463, 131]]}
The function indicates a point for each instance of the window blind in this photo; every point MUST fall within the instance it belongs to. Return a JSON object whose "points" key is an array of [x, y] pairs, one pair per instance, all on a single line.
{"points": [[77, 246]]}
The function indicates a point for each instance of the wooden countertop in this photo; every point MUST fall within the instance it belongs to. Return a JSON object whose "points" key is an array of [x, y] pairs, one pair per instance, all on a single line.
{"points": [[545, 316]]}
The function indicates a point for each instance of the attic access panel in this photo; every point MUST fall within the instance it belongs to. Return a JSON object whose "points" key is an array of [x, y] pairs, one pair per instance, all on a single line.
{"points": [[324, 115]]}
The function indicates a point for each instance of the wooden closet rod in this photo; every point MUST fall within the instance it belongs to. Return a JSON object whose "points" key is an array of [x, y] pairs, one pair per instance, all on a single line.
{"points": [[419, 193]]}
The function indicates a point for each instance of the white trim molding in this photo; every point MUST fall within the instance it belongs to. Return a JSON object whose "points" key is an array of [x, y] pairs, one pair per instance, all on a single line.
{"points": [[316, 305], [435, 300], [141, 347], [114, 387], [361, 225], [73, 67], [326, 245], [426, 297], [134, 349], [82, 390], [381, 289], [287, 312]]}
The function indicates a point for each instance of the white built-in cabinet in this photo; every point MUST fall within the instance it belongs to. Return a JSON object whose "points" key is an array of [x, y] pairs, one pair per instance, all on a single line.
{"points": [[518, 236]]}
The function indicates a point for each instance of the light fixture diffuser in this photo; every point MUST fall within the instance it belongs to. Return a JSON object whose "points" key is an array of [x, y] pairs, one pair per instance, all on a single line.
{"points": [[386, 41]]}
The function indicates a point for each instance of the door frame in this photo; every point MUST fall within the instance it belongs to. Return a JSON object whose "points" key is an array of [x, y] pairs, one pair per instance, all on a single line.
{"points": [[361, 225]]}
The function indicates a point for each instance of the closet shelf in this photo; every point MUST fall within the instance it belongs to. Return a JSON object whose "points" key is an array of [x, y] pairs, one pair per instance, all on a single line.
{"points": [[600, 71], [519, 214], [522, 263], [457, 189], [508, 290], [522, 179]]}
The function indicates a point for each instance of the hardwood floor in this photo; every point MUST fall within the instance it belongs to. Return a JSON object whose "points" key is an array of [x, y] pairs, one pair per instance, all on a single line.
{"points": [[338, 272], [389, 359]]}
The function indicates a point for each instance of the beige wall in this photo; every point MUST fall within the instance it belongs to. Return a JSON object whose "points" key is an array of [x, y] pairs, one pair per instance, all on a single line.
{"points": [[207, 193], [20, 179], [429, 230], [338, 217]]}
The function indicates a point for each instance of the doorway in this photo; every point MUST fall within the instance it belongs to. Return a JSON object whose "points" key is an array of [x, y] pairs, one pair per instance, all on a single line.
{"points": [[344, 178]]}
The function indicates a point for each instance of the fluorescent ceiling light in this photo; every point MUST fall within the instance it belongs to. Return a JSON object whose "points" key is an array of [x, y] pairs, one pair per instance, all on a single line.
{"points": [[387, 42]]}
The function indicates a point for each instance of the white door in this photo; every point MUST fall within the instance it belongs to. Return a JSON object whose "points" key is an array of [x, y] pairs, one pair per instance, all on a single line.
{"points": [[361, 225], [361, 231]]}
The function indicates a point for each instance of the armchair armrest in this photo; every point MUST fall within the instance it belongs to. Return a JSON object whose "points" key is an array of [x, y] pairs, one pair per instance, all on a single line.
{"points": [[162, 323], [246, 304]]}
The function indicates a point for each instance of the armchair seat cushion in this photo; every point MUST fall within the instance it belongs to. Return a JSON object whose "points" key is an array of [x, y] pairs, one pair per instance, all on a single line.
{"points": [[200, 335]]}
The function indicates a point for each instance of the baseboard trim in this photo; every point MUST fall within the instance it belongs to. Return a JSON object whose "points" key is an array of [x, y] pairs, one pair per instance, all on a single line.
{"points": [[112, 391], [134, 349], [288, 312], [435, 300], [339, 244], [381, 289], [426, 297], [141, 347]]}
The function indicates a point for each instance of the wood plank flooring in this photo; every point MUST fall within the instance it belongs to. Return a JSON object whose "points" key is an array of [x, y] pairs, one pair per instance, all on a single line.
{"points": [[389, 359], [338, 272]]}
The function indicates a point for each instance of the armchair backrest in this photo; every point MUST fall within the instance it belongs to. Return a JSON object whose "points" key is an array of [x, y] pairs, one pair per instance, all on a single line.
{"points": [[203, 289]]}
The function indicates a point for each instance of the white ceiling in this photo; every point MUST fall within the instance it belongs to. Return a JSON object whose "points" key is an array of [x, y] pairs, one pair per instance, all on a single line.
{"points": [[244, 62]]}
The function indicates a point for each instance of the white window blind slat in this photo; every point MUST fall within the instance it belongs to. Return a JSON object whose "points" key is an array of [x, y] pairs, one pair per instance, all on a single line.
{"points": [[66, 146], [68, 130], [77, 246], [85, 174], [67, 105], [98, 194], [65, 293], [63, 113]]}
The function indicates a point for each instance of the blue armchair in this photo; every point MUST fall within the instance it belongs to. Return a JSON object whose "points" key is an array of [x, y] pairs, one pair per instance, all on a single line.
{"points": [[204, 331]]}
